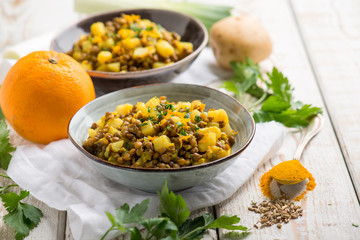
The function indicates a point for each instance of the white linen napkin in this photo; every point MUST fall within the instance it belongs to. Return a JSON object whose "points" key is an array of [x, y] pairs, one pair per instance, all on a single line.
{"points": [[61, 177]]}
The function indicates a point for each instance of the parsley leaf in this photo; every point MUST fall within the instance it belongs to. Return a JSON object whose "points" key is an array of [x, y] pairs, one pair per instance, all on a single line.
{"points": [[182, 132], [160, 227], [1, 114], [170, 107], [179, 124], [194, 226], [275, 104], [5, 146], [227, 222], [355, 225], [172, 224], [143, 124], [173, 206], [187, 115], [275, 95], [289, 117], [244, 79], [21, 217], [124, 215], [135, 27], [280, 85], [197, 118]]}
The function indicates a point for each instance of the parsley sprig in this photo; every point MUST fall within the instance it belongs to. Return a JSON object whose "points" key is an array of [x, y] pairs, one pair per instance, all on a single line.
{"points": [[273, 94], [172, 224], [22, 217]]}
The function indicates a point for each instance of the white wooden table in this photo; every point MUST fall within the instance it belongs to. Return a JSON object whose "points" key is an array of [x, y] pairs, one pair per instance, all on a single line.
{"points": [[317, 45]]}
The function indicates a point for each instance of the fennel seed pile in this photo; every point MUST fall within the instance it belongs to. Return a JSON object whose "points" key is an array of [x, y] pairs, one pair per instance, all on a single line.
{"points": [[275, 211]]}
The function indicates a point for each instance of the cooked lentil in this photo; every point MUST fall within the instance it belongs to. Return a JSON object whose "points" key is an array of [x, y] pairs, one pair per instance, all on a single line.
{"points": [[129, 43], [161, 134]]}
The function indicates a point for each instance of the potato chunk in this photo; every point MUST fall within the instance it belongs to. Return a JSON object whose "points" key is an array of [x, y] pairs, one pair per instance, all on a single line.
{"points": [[207, 141], [162, 142], [164, 48], [131, 43], [153, 102], [148, 129], [116, 146], [215, 130], [228, 130], [219, 115], [219, 152], [104, 56], [113, 67], [92, 132], [141, 107], [98, 29], [124, 109]]}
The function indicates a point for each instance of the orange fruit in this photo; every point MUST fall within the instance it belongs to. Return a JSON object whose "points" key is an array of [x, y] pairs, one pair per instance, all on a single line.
{"points": [[41, 93]]}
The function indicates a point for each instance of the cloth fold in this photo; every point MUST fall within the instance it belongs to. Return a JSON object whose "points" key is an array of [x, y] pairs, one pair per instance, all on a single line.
{"points": [[60, 176]]}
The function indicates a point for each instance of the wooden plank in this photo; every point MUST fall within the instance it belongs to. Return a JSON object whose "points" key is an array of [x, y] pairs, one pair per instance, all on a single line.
{"points": [[322, 157], [332, 35]]}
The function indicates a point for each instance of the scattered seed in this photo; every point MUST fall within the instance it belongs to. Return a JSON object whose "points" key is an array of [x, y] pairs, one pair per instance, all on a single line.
{"points": [[273, 212]]}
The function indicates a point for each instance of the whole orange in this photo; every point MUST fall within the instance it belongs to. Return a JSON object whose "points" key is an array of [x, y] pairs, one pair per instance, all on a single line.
{"points": [[41, 93]]}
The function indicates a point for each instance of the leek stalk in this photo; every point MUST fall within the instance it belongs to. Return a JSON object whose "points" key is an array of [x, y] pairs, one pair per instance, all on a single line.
{"points": [[208, 14]]}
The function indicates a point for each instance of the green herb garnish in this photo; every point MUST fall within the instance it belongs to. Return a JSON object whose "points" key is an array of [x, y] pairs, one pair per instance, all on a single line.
{"points": [[182, 132], [276, 98], [127, 145], [135, 27], [143, 124], [355, 225], [196, 128], [179, 124], [149, 109], [187, 115], [197, 118], [170, 107], [160, 116], [172, 224], [22, 217], [6, 147]]}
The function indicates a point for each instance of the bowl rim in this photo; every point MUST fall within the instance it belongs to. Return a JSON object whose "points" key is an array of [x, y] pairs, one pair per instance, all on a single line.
{"points": [[134, 74], [187, 168]]}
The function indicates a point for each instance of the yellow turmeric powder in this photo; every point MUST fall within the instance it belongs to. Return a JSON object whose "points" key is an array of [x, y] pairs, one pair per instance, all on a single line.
{"points": [[288, 170]]}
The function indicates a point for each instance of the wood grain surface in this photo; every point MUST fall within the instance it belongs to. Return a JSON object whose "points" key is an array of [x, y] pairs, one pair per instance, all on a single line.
{"points": [[317, 45], [331, 30]]}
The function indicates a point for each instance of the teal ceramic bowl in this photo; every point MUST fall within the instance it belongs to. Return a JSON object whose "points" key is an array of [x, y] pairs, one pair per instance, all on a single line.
{"points": [[151, 180]]}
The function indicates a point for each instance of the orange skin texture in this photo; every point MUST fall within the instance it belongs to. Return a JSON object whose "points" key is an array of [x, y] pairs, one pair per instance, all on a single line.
{"points": [[38, 98]]}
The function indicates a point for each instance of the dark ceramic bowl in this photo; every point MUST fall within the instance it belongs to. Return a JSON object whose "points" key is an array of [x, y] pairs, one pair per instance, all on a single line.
{"points": [[150, 179], [189, 28]]}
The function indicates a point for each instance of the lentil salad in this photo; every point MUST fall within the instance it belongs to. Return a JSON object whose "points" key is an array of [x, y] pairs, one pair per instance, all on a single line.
{"points": [[161, 134], [129, 43]]}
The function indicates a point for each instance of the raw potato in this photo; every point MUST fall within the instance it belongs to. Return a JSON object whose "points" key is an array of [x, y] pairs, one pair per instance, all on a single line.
{"points": [[235, 38]]}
